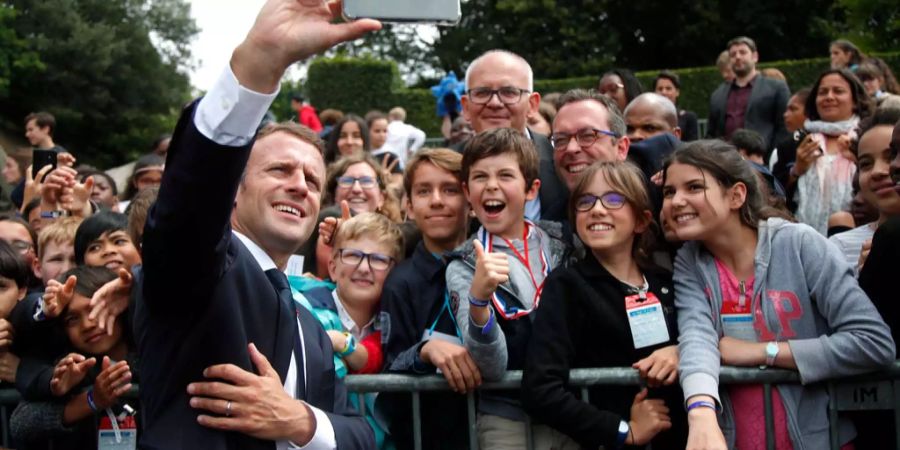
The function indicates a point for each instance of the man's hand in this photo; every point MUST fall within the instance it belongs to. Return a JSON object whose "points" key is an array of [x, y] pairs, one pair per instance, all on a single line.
{"points": [[111, 300], [113, 381], [255, 405], [491, 270], [454, 362], [660, 368], [68, 372], [648, 418], [57, 296], [288, 31], [329, 225]]}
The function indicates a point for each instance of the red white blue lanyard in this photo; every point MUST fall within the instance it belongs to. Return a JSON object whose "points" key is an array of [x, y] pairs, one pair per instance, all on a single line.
{"points": [[510, 312]]}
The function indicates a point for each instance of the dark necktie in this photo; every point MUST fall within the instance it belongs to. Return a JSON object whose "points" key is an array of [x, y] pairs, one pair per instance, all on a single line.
{"points": [[283, 289]]}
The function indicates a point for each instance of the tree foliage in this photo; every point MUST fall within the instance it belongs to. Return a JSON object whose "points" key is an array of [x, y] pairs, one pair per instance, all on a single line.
{"points": [[874, 25], [110, 72]]}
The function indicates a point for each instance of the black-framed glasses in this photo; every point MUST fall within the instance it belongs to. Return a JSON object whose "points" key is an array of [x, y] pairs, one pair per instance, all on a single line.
{"points": [[609, 200], [508, 95], [20, 246], [584, 137], [365, 182], [377, 261]]}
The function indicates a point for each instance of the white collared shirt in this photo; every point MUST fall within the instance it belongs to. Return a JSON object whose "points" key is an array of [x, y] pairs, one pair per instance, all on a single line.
{"points": [[229, 115], [348, 323]]}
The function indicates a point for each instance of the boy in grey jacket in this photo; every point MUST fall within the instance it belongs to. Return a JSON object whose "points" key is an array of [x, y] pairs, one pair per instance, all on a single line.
{"points": [[495, 281]]}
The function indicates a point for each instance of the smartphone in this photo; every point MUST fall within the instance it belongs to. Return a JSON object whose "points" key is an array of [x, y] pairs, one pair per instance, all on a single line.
{"points": [[440, 12], [41, 158]]}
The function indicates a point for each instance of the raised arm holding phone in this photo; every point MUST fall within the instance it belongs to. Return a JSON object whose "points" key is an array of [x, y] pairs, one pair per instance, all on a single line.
{"points": [[231, 362]]}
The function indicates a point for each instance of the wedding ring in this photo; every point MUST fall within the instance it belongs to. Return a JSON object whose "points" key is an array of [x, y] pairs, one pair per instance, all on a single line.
{"points": [[228, 409]]}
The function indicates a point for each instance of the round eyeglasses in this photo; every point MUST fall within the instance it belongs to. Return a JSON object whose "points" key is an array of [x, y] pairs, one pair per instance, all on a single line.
{"points": [[585, 138], [365, 182]]}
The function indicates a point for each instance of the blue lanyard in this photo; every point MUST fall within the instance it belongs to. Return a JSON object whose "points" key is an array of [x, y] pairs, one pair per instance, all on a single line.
{"points": [[449, 311]]}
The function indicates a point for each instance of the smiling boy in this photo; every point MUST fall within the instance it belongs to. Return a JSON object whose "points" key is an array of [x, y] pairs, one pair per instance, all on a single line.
{"points": [[423, 335], [496, 279]]}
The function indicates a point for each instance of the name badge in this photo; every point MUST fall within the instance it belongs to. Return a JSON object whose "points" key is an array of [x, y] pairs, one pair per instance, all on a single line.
{"points": [[125, 439], [737, 322], [647, 320]]}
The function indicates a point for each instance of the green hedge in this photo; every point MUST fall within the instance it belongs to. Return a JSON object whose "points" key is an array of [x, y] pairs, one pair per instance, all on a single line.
{"points": [[359, 85]]}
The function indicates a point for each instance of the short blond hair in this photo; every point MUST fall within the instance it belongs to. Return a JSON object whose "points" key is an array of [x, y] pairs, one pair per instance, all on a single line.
{"points": [[372, 226], [61, 231]]}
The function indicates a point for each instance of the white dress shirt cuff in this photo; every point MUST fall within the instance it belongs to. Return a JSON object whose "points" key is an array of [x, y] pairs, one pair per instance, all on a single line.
{"points": [[229, 113], [324, 437]]}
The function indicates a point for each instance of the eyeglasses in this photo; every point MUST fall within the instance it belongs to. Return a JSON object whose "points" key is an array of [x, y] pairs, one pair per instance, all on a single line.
{"points": [[609, 200], [364, 182], [585, 137], [377, 261], [508, 95], [21, 246]]}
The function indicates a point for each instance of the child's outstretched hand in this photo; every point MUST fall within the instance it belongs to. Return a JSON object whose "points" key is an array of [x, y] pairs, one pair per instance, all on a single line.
{"points": [[70, 371], [329, 226], [113, 381], [491, 270], [57, 296], [111, 300]]}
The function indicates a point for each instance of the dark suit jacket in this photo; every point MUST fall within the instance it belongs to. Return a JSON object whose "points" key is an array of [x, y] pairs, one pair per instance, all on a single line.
{"points": [[553, 194], [764, 114], [201, 297]]}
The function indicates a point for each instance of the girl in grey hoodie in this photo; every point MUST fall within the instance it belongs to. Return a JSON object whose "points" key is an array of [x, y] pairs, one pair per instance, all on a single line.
{"points": [[753, 289]]}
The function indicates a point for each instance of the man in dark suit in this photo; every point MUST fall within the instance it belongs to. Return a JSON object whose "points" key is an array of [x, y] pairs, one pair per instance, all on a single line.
{"points": [[500, 94], [227, 359], [750, 101]]}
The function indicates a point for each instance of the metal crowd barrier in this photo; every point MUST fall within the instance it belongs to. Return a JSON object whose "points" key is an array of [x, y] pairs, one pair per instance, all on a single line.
{"points": [[875, 391]]}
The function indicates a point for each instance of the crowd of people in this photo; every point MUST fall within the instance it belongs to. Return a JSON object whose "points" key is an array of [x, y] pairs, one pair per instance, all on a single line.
{"points": [[248, 266]]}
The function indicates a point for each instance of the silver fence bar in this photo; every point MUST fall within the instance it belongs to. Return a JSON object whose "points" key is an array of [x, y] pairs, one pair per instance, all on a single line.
{"points": [[621, 376], [770, 416], [417, 420]]}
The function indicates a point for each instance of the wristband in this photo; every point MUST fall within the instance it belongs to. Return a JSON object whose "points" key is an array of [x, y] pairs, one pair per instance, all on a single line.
{"points": [[349, 345], [477, 302], [701, 404], [490, 323], [90, 400]]}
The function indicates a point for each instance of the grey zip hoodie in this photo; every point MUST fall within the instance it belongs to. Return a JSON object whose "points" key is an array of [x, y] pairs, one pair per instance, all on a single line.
{"points": [[810, 299], [489, 350]]}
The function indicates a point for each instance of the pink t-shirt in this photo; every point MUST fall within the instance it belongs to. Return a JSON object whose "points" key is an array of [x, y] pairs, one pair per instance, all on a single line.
{"points": [[747, 399]]}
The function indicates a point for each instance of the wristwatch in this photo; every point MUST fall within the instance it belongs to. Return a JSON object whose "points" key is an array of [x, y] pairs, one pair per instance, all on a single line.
{"points": [[771, 353], [349, 345], [624, 428]]}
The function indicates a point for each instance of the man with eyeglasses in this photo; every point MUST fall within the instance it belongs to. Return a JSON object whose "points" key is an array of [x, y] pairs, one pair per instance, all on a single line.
{"points": [[588, 127], [500, 94]]}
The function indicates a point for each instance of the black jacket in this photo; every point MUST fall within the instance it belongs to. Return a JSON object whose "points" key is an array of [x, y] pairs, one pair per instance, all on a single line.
{"points": [[202, 298], [583, 324], [412, 301], [764, 112]]}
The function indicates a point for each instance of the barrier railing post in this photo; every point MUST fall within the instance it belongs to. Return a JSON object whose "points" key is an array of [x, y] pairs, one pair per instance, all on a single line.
{"points": [[529, 434], [417, 420], [896, 386], [769, 416], [4, 416], [585, 395], [362, 403], [473, 429], [833, 418]]}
